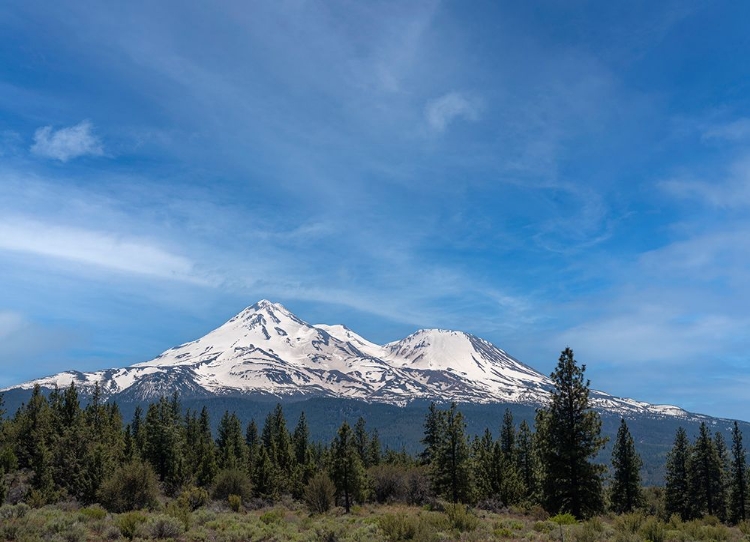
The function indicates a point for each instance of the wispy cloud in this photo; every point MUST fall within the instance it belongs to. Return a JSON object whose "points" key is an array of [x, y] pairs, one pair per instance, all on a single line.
{"points": [[101, 249], [736, 130], [730, 189], [67, 143], [443, 111]]}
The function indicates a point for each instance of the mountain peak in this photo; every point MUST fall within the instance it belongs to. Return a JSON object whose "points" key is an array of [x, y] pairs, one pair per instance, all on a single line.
{"points": [[266, 350]]}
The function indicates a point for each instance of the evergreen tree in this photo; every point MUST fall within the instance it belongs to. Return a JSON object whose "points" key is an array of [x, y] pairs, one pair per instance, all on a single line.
{"points": [[526, 460], [485, 466], [206, 467], [451, 466], [278, 444], [362, 441], [571, 440], [625, 492], [302, 456], [724, 469], [374, 452], [738, 478], [511, 488], [704, 475], [252, 440], [347, 471], [231, 448], [434, 429], [676, 492]]}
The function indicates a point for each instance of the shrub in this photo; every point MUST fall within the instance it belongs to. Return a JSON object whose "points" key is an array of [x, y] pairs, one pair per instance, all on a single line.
{"points": [[461, 518], [417, 486], [193, 498], [93, 513], [387, 483], [653, 530], [235, 502], [397, 527], [129, 523], [162, 526], [320, 493], [231, 482], [272, 516], [131, 487]]}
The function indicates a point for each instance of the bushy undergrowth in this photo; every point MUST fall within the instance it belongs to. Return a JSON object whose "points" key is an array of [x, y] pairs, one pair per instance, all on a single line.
{"points": [[442, 522], [131, 487]]}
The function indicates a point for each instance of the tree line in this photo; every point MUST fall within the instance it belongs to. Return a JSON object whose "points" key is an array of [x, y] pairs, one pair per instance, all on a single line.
{"points": [[54, 449]]}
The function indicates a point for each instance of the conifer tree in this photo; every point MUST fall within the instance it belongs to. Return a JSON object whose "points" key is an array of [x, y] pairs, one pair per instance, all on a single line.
{"points": [[704, 475], [434, 428], [451, 466], [278, 445], [724, 469], [510, 484], [206, 468], [676, 491], [302, 457], [347, 471], [485, 466], [231, 448], [527, 461], [362, 441], [571, 439], [738, 478], [625, 492], [374, 451], [252, 441]]}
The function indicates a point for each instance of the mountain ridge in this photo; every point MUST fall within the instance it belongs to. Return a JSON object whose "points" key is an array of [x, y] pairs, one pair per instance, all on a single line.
{"points": [[265, 350]]}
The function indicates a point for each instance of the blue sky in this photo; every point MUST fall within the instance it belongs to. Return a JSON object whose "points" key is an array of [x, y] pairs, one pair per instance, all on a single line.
{"points": [[541, 174]]}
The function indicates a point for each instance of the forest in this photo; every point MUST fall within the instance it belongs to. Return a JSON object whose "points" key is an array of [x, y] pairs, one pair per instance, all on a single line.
{"points": [[157, 474]]}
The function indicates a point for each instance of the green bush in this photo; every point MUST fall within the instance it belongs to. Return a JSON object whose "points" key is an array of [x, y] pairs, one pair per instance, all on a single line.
{"points": [[161, 527], [231, 482], [235, 502], [193, 498], [129, 523], [320, 493], [461, 517], [653, 530], [272, 516], [132, 486], [398, 527], [93, 513]]}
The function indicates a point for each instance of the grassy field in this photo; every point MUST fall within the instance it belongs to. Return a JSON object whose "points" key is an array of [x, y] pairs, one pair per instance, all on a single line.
{"points": [[291, 521]]}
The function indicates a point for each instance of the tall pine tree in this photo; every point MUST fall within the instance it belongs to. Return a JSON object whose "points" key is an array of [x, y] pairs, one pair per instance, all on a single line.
{"points": [[625, 492], [738, 478], [677, 490], [571, 433]]}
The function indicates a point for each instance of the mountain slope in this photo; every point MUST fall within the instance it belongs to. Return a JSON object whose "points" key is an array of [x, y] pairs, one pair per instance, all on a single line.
{"points": [[266, 351]]}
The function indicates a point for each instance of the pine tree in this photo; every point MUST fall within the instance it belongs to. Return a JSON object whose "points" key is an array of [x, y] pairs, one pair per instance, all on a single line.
{"points": [[724, 470], [362, 441], [206, 467], [527, 467], [485, 466], [625, 492], [434, 428], [278, 444], [231, 448], [738, 478], [704, 475], [347, 471], [374, 452], [451, 466], [572, 438], [676, 492], [506, 458]]}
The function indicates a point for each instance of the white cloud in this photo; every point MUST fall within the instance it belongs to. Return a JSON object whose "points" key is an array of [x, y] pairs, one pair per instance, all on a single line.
{"points": [[731, 131], [455, 105], [67, 143], [100, 249], [729, 190]]}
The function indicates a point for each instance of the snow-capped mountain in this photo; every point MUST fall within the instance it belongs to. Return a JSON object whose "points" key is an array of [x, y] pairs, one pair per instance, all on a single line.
{"points": [[267, 351]]}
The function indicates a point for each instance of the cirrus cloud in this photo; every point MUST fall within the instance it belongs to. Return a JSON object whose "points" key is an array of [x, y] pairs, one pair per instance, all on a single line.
{"points": [[452, 106]]}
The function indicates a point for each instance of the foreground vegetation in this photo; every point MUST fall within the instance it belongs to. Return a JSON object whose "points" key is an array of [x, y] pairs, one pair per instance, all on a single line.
{"points": [[69, 472], [289, 520]]}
